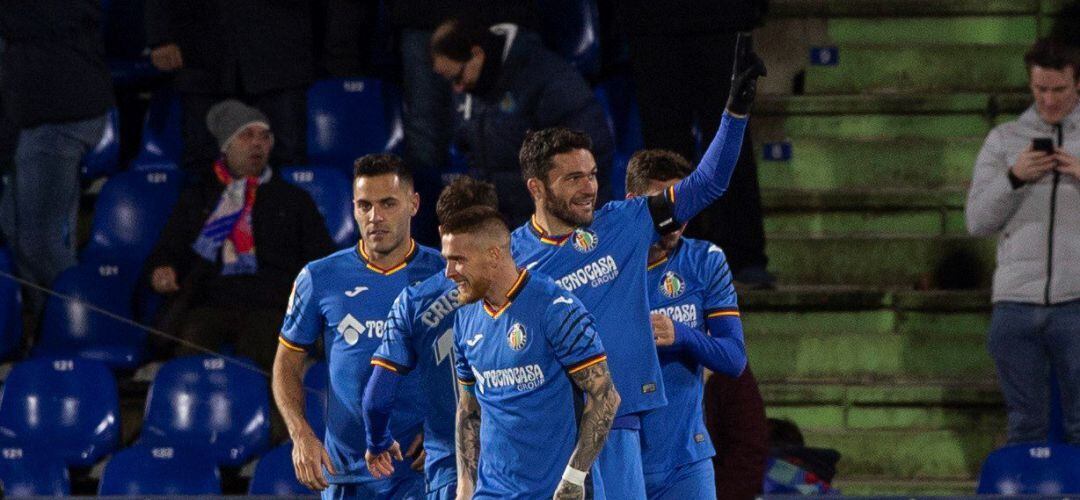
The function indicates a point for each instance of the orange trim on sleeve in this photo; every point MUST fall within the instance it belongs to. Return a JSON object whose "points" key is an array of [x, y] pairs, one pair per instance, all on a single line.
{"points": [[587, 363], [290, 346], [718, 314], [384, 364]]}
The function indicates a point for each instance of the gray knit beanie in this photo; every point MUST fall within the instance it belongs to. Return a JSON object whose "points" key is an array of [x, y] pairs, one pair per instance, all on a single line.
{"points": [[228, 117]]}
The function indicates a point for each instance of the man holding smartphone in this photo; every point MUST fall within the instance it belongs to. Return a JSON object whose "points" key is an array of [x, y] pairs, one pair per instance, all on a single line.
{"points": [[1026, 190]]}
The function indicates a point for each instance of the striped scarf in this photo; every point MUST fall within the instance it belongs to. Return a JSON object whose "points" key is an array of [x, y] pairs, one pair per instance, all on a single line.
{"points": [[227, 232]]}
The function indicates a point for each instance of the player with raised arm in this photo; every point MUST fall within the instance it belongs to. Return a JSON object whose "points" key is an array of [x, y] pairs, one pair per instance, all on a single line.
{"points": [[419, 339], [525, 351], [345, 298], [602, 256], [695, 318]]}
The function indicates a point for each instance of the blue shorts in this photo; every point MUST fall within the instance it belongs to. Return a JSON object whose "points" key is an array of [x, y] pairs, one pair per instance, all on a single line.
{"points": [[620, 465], [692, 481], [447, 492], [404, 487]]}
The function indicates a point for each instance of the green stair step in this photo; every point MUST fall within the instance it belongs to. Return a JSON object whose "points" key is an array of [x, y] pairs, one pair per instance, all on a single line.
{"points": [[869, 68], [908, 454], [870, 486], [982, 30], [832, 418], [802, 200], [895, 392], [871, 126], [827, 163], [882, 261], [846, 212], [885, 8], [979, 103]]}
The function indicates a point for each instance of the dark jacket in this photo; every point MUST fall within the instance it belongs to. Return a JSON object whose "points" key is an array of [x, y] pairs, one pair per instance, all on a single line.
{"points": [[53, 67], [735, 418], [534, 89], [428, 14], [289, 232], [228, 46], [689, 17]]}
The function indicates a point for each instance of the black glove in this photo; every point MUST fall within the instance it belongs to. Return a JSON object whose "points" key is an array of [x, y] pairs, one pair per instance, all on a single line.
{"points": [[744, 74]]}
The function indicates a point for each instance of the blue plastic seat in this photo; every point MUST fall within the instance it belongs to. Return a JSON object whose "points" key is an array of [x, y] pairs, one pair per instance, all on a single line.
{"points": [[162, 139], [25, 472], [70, 328], [125, 41], [130, 213], [104, 158], [1031, 469], [10, 307], [571, 28], [209, 404], [69, 407], [348, 118], [331, 190], [163, 470], [274, 474], [617, 97], [316, 387]]}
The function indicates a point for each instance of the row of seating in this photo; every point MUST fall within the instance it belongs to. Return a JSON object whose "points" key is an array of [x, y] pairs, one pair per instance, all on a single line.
{"points": [[201, 413]]}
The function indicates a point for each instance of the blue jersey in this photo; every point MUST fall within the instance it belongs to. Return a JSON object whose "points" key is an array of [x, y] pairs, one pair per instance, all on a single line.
{"points": [[604, 265], [419, 340], [689, 285], [518, 359], [345, 299]]}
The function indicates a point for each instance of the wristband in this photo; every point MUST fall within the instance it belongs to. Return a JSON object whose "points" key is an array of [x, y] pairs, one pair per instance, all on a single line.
{"points": [[574, 476]]}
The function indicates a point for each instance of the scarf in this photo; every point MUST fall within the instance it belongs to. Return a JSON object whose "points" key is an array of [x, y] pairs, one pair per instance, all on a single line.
{"points": [[227, 232]]}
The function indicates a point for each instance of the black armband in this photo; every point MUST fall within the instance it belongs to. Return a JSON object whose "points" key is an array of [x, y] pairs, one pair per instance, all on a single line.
{"points": [[663, 214]]}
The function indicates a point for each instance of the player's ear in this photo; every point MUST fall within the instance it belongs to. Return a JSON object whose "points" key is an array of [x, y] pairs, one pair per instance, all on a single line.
{"points": [[535, 187], [415, 204]]}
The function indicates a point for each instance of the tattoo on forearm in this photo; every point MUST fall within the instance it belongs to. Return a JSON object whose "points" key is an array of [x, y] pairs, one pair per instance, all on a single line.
{"points": [[468, 437], [601, 402]]}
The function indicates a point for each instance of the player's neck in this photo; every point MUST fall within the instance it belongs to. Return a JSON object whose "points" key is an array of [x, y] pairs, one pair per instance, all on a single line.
{"points": [[656, 253], [389, 259], [551, 224], [502, 281]]}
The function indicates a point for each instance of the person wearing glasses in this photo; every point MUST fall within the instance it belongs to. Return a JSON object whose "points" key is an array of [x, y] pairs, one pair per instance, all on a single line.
{"points": [[507, 83]]}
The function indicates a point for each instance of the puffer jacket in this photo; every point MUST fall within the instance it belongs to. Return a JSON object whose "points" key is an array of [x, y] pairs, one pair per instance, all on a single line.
{"points": [[1038, 223]]}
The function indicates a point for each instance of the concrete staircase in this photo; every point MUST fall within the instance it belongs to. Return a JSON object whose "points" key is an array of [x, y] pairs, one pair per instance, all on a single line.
{"points": [[875, 341]]}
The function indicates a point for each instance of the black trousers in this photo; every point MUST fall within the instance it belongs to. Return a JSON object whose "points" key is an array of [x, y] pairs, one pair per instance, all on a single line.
{"points": [[682, 80]]}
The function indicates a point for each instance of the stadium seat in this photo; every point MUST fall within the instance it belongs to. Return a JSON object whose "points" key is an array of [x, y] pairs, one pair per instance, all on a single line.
{"points": [[125, 41], [316, 385], [571, 28], [348, 118], [209, 404], [72, 328], [24, 472], [163, 470], [69, 407], [10, 307], [274, 474], [1031, 469], [162, 140], [331, 190], [104, 158], [616, 96], [130, 212]]}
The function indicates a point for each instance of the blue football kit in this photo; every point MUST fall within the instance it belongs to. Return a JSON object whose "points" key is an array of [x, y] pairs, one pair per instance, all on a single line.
{"points": [[517, 360], [604, 264], [419, 341], [344, 298], [692, 285]]}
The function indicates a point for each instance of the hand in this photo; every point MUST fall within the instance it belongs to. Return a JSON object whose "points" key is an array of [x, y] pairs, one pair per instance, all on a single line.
{"points": [[748, 67], [381, 465], [309, 457], [1067, 163], [568, 491], [663, 330], [1031, 165], [167, 57], [416, 449], [163, 280]]}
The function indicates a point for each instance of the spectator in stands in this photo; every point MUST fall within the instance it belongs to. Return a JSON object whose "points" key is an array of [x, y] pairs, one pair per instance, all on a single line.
{"points": [[681, 54], [1028, 194], [254, 50], [233, 243], [735, 418], [57, 91], [508, 83]]}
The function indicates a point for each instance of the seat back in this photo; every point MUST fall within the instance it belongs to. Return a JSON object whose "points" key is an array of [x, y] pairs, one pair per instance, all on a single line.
{"points": [[130, 212], [571, 28], [1031, 469], [27, 473], [10, 307], [616, 96], [211, 404], [274, 474], [162, 470], [351, 117], [162, 142], [104, 158], [70, 407], [331, 191], [316, 387]]}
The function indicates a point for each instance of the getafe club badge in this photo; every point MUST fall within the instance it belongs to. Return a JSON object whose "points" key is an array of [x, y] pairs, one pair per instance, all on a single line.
{"points": [[516, 338], [672, 285], [584, 240], [508, 104]]}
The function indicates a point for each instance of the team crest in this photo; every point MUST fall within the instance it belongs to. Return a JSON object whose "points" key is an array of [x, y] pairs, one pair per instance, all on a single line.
{"points": [[584, 240], [516, 338], [672, 285], [508, 104]]}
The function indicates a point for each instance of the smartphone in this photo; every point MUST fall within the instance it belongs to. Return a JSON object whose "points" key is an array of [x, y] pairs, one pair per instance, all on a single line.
{"points": [[1044, 144]]}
